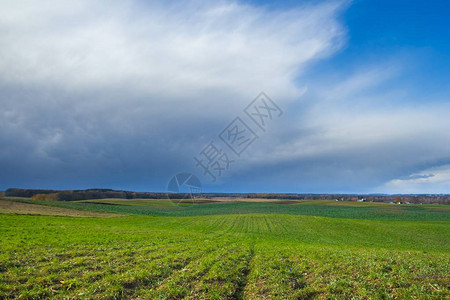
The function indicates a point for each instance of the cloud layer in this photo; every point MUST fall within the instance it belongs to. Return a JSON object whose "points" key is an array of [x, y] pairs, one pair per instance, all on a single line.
{"points": [[124, 94], [172, 50]]}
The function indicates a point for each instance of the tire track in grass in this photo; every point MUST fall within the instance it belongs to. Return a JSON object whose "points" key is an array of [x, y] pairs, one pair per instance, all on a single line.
{"points": [[134, 274], [59, 273], [227, 277], [170, 266], [275, 275], [224, 221], [182, 282], [234, 223], [257, 225], [248, 222], [238, 224], [279, 222], [239, 293], [268, 224], [221, 225], [216, 223]]}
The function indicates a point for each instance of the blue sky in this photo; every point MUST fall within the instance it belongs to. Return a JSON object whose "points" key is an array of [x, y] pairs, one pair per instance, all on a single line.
{"points": [[125, 95]]}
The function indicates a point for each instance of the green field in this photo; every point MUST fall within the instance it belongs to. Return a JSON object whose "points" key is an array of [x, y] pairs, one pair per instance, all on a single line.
{"points": [[349, 210], [281, 250]]}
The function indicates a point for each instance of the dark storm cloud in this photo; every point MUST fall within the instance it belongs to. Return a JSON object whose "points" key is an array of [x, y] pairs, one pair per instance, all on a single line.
{"points": [[123, 95]]}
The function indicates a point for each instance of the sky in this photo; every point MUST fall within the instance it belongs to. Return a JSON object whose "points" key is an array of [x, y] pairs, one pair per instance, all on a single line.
{"points": [[128, 94]]}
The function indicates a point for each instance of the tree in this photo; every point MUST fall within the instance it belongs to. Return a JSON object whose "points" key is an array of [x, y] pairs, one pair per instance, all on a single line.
{"points": [[45, 197]]}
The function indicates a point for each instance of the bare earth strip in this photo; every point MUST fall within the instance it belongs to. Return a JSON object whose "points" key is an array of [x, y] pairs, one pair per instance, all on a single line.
{"points": [[12, 207], [232, 199]]}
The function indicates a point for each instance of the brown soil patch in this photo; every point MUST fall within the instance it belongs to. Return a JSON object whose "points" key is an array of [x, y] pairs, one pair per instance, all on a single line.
{"points": [[13, 207], [288, 202], [231, 199]]}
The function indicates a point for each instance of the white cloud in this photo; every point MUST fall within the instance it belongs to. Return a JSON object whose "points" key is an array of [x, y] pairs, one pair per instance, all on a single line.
{"points": [[362, 129], [170, 50], [94, 83], [358, 113], [429, 181], [131, 85]]}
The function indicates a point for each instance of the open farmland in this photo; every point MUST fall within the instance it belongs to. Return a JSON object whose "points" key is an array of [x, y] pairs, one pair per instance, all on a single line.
{"points": [[349, 210], [239, 250], [28, 208]]}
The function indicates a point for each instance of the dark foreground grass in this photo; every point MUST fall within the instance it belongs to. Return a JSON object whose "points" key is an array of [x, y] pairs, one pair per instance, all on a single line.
{"points": [[245, 256]]}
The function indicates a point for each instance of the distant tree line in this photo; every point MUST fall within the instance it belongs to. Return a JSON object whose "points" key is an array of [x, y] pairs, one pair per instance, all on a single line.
{"points": [[27, 193], [45, 197], [413, 198], [74, 195]]}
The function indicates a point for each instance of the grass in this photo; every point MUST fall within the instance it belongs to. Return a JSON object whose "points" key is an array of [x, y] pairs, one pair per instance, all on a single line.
{"points": [[249, 255], [26, 208], [347, 210]]}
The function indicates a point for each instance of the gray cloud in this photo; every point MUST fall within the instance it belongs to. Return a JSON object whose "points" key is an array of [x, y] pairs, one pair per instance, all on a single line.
{"points": [[123, 95], [357, 133]]}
